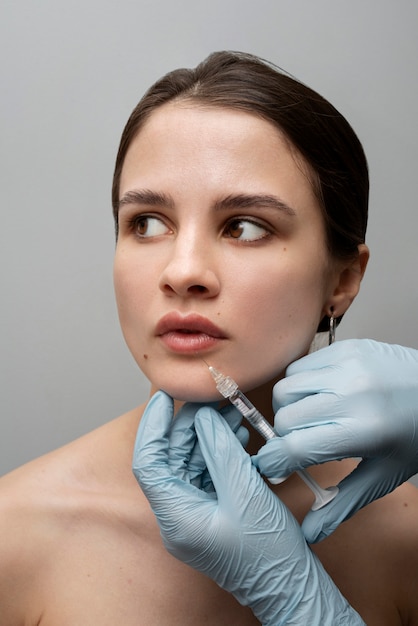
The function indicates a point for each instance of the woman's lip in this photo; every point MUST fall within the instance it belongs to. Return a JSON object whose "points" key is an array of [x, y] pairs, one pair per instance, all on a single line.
{"points": [[191, 324], [188, 333], [188, 342]]}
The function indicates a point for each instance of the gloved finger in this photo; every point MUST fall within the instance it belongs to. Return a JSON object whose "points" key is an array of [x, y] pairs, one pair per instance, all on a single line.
{"points": [[319, 409], [243, 436], [372, 479], [153, 427], [196, 470], [230, 467], [186, 458], [231, 415], [234, 420], [304, 384], [185, 455], [151, 465], [327, 356], [324, 370], [299, 449], [182, 443]]}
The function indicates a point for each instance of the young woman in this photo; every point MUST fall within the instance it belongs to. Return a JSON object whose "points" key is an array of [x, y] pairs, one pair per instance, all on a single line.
{"points": [[240, 199]]}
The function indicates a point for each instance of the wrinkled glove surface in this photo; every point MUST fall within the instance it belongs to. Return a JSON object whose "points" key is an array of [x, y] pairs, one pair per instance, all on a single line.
{"points": [[226, 522], [356, 398]]}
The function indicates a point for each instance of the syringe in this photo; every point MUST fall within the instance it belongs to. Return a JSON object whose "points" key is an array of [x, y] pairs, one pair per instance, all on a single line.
{"points": [[228, 388]]}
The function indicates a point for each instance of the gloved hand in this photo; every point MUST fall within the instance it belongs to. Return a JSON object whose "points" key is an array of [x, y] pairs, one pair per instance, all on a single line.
{"points": [[356, 398], [232, 528]]}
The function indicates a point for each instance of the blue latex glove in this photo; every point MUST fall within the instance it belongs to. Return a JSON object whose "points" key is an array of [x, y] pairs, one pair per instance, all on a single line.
{"points": [[356, 398], [233, 528]]}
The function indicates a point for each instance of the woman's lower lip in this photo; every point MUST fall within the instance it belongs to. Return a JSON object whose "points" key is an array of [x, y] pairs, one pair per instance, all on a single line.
{"points": [[183, 342]]}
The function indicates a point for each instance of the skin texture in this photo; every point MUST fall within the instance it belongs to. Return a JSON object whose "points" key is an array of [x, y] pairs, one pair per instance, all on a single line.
{"points": [[78, 541], [80, 545], [275, 278]]}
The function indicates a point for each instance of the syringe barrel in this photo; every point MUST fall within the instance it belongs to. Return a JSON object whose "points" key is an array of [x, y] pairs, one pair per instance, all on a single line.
{"points": [[252, 415]]}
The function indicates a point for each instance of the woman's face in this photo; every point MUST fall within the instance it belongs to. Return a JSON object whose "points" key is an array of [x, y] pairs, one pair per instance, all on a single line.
{"points": [[221, 253]]}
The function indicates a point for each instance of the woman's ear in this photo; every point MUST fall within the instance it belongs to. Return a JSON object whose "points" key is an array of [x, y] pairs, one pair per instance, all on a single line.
{"points": [[347, 282]]}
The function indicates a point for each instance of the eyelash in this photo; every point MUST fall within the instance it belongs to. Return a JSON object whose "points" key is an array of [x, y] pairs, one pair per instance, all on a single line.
{"points": [[257, 224], [133, 226]]}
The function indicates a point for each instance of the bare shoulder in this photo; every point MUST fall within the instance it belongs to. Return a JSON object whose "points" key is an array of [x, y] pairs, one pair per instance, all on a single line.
{"points": [[391, 527], [398, 515], [22, 553], [39, 503], [394, 519], [373, 558], [79, 544]]}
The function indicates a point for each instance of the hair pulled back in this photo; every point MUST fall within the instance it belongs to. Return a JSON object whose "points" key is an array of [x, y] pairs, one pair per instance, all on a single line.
{"points": [[323, 137]]}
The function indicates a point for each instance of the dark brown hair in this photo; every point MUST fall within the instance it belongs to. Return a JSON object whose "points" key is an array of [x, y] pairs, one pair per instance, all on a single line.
{"points": [[320, 133]]}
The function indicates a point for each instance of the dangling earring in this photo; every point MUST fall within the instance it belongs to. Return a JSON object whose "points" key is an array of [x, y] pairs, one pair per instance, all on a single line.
{"points": [[332, 325]]}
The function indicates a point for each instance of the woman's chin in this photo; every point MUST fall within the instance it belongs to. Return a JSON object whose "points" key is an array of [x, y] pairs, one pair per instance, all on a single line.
{"points": [[192, 395], [185, 384]]}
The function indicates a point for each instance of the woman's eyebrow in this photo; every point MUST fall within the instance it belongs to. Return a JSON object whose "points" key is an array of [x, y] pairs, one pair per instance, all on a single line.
{"points": [[145, 197], [240, 201], [247, 201]]}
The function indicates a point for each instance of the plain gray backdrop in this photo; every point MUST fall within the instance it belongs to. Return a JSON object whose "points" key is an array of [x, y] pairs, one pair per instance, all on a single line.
{"points": [[71, 72]]}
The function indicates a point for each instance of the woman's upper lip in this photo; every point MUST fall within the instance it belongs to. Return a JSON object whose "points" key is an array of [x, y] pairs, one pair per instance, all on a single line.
{"points": [[193, 323]]}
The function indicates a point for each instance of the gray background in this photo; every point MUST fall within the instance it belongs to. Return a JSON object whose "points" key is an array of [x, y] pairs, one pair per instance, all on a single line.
{"points": [[71, 72]]}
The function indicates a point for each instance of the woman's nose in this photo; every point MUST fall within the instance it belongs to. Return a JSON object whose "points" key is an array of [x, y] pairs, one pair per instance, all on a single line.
{"points": [[190, 272]]}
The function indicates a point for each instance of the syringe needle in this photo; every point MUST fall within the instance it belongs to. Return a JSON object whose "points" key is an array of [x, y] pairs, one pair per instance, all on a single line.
{"points": [[228, 388]]}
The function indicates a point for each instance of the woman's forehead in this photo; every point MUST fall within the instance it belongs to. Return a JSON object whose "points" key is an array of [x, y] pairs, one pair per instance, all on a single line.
{"points": [[181, 126]]}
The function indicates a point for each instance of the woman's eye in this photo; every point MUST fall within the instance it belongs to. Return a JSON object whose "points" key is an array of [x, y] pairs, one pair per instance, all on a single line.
{"points": [[148, 226], [245, 230]]}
